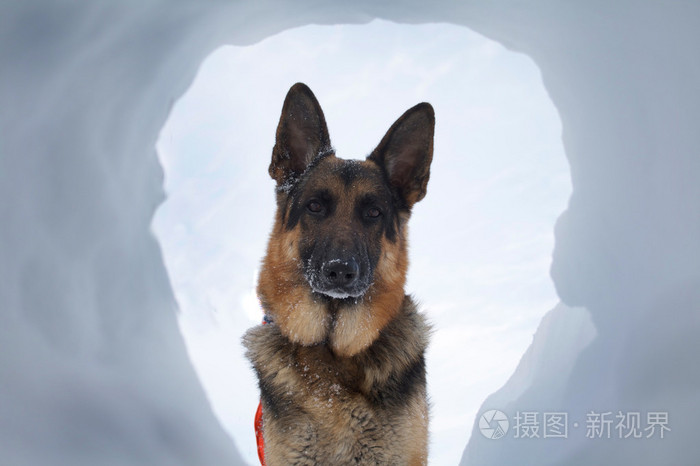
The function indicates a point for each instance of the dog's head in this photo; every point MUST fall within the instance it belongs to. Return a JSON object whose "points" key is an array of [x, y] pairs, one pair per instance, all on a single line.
{"points": [[336, 261]]}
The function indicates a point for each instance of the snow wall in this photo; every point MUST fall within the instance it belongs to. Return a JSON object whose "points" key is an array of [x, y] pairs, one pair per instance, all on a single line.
{"points": [[93, 369]]}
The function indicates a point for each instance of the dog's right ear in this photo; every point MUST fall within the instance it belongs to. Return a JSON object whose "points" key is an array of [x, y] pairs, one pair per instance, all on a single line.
{"points": [[301, 135]]}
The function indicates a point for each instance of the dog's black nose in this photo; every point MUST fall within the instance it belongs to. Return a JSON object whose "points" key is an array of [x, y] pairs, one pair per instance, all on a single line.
{"points": [[341, 273]]}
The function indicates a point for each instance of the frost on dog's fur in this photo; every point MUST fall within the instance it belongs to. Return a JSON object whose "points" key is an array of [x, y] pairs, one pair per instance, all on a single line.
{"points": [[389, 375]]}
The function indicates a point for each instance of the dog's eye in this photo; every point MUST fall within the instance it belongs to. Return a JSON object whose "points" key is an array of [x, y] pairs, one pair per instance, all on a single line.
{"points": [[373, 212], [314, 206]]}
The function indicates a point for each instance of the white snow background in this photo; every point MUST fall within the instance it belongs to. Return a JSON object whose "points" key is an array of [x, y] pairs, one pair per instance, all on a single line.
{"points": [[480, 243], [93, 367]]}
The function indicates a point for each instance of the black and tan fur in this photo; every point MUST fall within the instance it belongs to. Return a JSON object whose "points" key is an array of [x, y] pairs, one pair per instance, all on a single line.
{"points": [[341, 369]]}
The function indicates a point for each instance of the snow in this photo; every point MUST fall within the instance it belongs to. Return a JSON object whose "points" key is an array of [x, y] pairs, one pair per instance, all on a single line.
{"points": [[93, 368], [626, 248], [498, 195]]}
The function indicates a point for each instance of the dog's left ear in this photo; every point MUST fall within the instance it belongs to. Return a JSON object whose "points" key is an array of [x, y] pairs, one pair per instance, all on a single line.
{"points": [[301, 135], [405, 153]]}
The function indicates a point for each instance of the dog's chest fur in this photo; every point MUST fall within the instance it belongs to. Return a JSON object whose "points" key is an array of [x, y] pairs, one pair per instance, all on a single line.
{"points": [[322, 409]]}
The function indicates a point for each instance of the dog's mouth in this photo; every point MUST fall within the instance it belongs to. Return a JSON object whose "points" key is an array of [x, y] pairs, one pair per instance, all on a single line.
{"points": [[340, 294]]}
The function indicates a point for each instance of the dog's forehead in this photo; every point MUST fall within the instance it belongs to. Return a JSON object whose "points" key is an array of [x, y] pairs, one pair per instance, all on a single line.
{"points": [[346, 176]]}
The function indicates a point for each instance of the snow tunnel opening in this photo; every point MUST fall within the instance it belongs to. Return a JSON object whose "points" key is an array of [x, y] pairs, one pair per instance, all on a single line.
{"points": [[499, 181]]}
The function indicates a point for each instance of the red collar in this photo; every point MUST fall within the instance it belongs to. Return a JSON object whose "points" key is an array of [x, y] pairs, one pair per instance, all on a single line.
{"points": [[258, 416]]}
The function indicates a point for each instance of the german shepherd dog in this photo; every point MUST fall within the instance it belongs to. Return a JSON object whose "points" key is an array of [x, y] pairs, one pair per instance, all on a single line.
{"points": [[341, 366]]}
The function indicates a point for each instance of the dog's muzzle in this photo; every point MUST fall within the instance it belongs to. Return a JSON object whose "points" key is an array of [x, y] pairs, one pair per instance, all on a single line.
{"points": [[339, 278]]}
